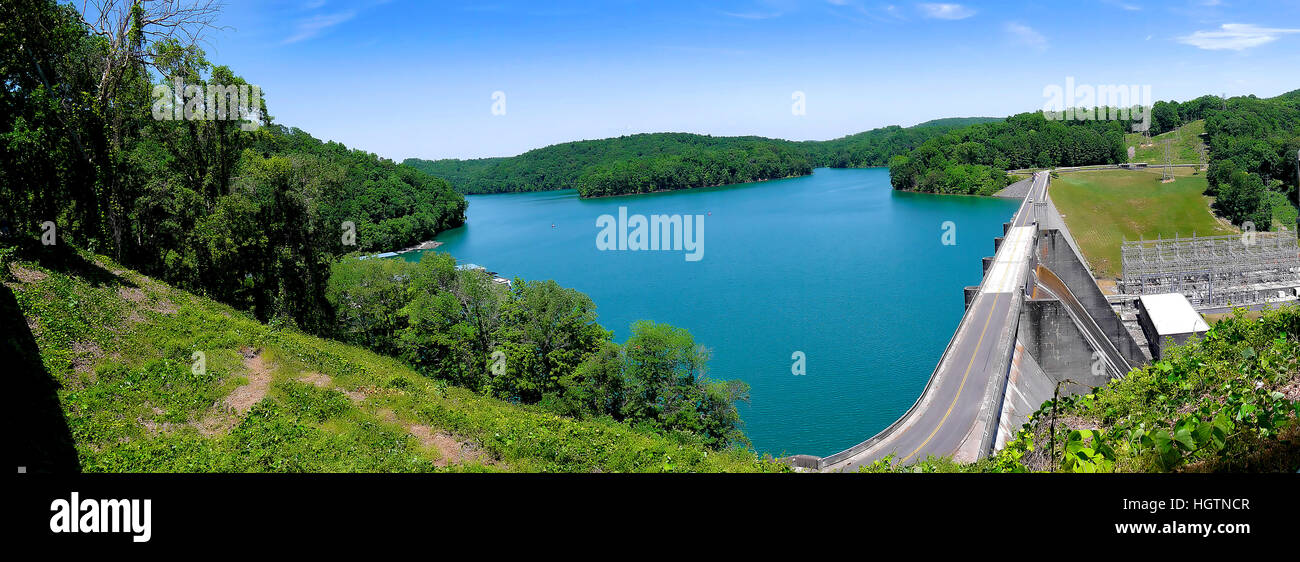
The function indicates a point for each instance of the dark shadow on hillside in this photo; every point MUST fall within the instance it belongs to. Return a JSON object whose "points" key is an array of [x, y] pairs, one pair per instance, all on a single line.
{"points": [[44, 442], [66, 260]]}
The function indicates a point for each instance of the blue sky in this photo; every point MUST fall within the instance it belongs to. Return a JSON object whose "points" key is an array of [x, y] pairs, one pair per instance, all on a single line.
{"points": [[407, 78]]}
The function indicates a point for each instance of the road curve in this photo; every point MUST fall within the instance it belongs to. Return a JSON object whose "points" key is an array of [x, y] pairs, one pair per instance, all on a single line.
{"points": [[952, 416]]}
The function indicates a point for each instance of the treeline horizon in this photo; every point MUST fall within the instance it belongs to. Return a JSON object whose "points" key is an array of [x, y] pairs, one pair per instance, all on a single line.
{"points": [[1251, 164], [616, 160]]}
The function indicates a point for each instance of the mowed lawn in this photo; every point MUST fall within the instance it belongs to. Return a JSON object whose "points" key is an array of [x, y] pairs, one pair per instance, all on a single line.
{"points": [[1107, 207]]}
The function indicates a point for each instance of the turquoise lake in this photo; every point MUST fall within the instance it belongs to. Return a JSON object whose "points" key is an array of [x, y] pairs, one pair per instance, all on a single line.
{"points": [[837, 265]]}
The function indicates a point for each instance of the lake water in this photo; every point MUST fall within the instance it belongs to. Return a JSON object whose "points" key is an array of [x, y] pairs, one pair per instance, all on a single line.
{"points": [[836, 265]]}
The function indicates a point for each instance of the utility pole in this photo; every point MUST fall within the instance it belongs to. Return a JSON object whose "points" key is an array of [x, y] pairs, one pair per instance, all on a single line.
{"points": [[1168, 174]]}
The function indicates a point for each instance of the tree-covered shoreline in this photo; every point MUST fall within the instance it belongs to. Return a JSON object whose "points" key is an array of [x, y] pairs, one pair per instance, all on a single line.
{"points": [[592, 163]]}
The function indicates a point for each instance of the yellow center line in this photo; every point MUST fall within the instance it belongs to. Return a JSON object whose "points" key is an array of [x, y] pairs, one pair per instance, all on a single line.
{"points": [[993, 308]]}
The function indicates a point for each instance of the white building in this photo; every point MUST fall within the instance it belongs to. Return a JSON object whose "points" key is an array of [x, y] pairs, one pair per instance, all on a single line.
{"points": [[1167, 317]]}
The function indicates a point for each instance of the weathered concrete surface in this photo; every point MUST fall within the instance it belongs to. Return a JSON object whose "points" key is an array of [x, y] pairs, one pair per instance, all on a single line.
{"points": [[1027, 388], [1055, 252], [1050, 335]]}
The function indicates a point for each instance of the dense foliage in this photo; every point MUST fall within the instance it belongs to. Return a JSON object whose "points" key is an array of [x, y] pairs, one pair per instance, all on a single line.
{"points": [[694, 168], [1169, 115], [561, 166], [876, 147], [974, 159], [1253, 144], [251, 217], [660, 161], [533, 343]]}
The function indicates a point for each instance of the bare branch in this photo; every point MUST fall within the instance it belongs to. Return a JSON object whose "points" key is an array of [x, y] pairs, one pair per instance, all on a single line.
{"points": [[185, 21]]}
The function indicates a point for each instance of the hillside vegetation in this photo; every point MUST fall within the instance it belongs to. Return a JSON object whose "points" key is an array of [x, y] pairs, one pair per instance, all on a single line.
{"points": [[973, 160], [97, 153], [660, 161], [243, 210], [694, 168], [112, 356], [1253, 145], [1185, 144]]}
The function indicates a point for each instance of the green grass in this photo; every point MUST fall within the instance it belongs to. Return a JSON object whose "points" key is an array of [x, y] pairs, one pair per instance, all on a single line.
{"points": [[1104, 208], [1183, 149], [1284, 213], [119, 346]]}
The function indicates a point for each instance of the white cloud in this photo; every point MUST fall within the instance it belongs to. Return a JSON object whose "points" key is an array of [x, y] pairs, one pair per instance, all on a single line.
{"points": [[1124, 5], [752, 15], [888, 13], [1234, 36], [946, 11], [313, 26], [1025, 35]]}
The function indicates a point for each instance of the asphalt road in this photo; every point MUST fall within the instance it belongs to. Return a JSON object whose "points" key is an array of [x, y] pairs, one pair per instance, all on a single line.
{"points": [[946, 416]]}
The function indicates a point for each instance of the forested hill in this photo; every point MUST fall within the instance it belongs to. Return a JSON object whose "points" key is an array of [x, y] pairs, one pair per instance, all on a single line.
{"points": [[560, 166], [569, 165], [756, 161], [877, 146], [1252, 158], [974, 159]]}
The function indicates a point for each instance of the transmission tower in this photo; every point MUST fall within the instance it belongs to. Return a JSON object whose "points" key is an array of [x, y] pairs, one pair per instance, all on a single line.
{"points": [[1168, 174]]}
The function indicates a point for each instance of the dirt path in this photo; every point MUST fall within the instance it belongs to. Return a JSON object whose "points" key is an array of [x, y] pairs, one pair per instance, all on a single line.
{"points": [[241, 399]]}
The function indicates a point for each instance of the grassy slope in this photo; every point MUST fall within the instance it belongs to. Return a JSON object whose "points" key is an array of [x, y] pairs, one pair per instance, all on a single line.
{"points": [[1183, 150], [120, 348], [1106, 207]]}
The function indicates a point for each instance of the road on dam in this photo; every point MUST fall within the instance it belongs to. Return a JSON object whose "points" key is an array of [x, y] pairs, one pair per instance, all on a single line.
{"points": [[952, 416]]}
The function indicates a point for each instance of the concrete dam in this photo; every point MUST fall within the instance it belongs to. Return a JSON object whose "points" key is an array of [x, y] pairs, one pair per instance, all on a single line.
{"points": [[1037, 322]]}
